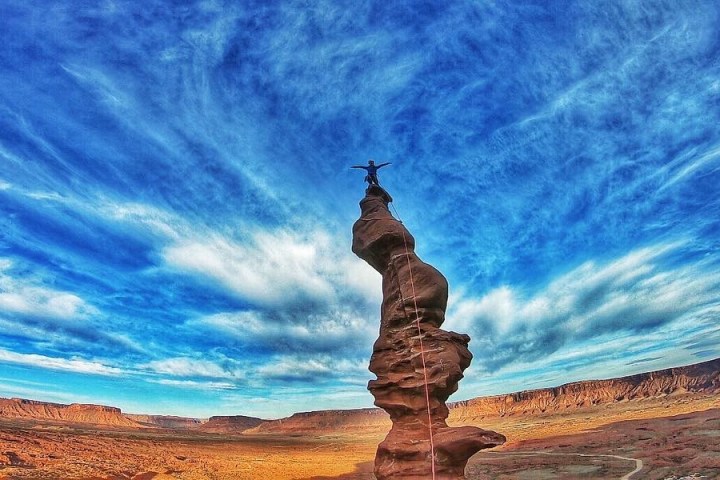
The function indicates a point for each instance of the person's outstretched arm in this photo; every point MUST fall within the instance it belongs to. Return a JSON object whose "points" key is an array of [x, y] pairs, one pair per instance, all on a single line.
{"points": [[383, 164], [359, 166]]}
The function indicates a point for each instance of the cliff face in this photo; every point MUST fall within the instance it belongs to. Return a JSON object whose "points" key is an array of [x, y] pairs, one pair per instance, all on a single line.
{"points": [[75, 413], [702, 377], [417, 364]]}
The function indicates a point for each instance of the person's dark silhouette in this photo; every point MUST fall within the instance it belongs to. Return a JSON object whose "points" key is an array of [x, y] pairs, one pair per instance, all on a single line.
{"points": [[371, 169]]}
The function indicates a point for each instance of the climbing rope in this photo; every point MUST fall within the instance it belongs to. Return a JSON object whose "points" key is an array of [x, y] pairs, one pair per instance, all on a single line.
{"points": [[422, 349]]}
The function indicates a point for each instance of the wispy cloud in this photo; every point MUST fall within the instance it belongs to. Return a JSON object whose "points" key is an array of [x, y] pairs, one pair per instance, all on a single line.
{"points": [[74, 364], [20, 296], [193, 367], [272, 268], [323, 330], [268, 267], [692, 163], [636, 293], [269, 270], [195, 384], [314, 369]]}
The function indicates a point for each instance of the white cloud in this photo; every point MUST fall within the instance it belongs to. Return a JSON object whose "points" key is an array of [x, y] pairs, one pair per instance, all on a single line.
{"points": [[196, 385], [277, 268], [500, 305], [53, 196], [296, 368], [268, 269], [315, 368], [23, 297], [634, 293], [41, 301], [192, 367], [689, 164], [145, 216], [128, 342], [359, 277], [74, 364], [305, 289], [329, 330]]}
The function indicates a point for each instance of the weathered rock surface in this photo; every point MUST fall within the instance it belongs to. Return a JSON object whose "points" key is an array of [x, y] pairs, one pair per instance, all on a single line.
{"points": [[412, 353]]}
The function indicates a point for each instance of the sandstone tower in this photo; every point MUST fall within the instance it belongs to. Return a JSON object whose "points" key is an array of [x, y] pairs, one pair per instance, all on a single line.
{"points": [[417, 364]]}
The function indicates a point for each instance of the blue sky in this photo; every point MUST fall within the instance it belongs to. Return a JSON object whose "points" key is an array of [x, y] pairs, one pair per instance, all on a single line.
{"points": [[177, 201]]}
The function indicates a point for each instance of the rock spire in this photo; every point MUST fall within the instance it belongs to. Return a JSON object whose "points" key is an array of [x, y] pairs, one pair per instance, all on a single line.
{"points": [[417, 364]]}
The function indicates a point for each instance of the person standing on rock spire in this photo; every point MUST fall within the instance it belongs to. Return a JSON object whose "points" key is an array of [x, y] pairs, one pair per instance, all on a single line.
{"points": [[371, 169]]}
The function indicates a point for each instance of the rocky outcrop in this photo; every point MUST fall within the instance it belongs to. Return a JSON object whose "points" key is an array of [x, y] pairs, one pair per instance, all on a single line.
{"points": [[417, 364], [75, 413], [230, 424]]}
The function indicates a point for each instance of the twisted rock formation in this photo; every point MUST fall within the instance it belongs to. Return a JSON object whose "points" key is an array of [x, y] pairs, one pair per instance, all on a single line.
{"points": [[417, 364]]}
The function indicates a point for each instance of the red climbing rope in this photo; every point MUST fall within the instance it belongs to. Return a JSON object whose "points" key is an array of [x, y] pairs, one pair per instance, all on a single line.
{"points": [[422, 350]]}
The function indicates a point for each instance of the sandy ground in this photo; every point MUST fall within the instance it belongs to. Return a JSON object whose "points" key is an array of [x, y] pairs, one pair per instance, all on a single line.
{"points": [[42, 452], [679, 446], [673, 436]]}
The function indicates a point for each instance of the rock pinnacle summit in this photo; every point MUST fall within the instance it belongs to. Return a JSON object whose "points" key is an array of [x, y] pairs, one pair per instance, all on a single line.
{"points": [[417, 364]]}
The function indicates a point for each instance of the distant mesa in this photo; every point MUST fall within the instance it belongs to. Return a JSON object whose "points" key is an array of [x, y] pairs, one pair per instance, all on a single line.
{"points": [[74, 413], [418, 365], [326, 421], [165, 421], [230, 424], [698, 378], [104, 416], [221, 424], [701, 378]]}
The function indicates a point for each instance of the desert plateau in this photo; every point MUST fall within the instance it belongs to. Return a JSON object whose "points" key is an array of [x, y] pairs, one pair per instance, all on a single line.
{"points": [[660, 425]]}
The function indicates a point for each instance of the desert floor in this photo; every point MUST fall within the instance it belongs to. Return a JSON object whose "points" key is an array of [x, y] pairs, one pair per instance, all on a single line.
{"points": [[668, 438]]}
